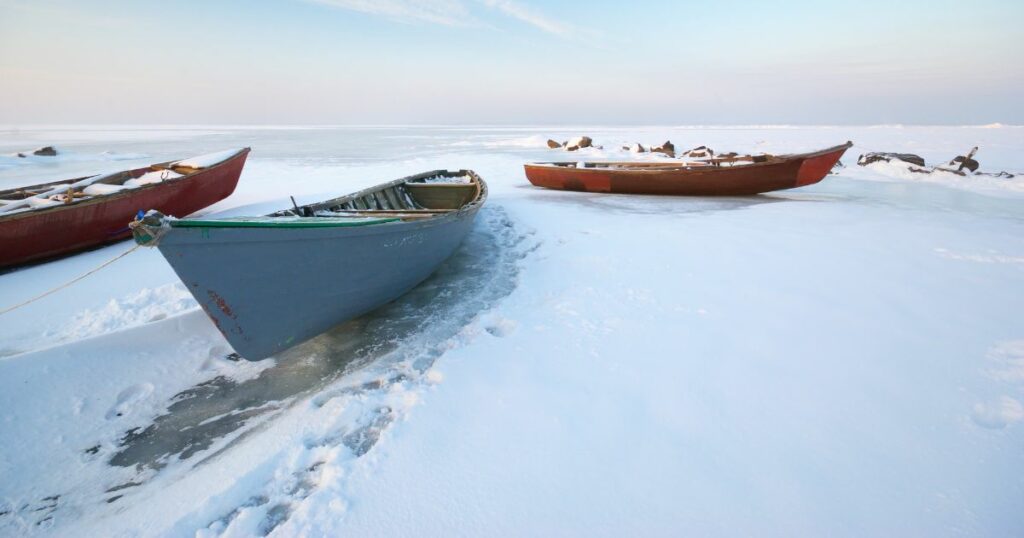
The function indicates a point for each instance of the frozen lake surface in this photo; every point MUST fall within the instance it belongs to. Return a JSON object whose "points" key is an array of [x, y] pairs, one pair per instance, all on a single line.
{"points": [[844, 359]]}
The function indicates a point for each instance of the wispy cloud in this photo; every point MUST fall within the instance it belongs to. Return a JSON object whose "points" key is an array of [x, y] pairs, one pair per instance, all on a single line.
{"points": [[446, 12], [453, 12], [527, 15]]}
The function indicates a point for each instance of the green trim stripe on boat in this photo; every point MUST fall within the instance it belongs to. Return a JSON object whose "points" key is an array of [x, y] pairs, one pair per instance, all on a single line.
{"points": [[281, 222]]}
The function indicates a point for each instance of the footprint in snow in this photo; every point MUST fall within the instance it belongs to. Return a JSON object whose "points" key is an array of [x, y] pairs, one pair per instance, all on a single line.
{"points": [[500, 327], [128, 399]]}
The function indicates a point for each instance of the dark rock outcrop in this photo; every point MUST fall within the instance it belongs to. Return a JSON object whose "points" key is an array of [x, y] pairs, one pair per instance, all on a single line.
{"points": [[700, 152], [960, 162], [874, 157], [1004, 174], [45, 151], [579, 143], [667, 148], [554, 145]]}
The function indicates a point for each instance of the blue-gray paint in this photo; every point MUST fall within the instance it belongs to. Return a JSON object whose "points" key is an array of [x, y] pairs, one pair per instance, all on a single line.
{"points": [[270, 289]]}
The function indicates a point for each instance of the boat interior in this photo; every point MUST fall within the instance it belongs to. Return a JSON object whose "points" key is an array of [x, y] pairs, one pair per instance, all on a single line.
{"points": [[739, 160], [415, 197], [61, 193]]}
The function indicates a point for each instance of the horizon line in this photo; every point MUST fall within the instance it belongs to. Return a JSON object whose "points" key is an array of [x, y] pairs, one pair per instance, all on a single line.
{"points": [[85, 125]]}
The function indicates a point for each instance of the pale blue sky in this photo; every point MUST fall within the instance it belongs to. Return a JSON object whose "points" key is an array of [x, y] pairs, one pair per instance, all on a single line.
{"points": [[511, 61]]}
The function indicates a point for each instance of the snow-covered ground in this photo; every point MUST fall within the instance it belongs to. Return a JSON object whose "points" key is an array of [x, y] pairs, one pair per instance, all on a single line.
{"points": [[845, 359]]}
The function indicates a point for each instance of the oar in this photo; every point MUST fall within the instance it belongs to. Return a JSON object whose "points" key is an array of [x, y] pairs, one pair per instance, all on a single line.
{"points": [[59, 190]]}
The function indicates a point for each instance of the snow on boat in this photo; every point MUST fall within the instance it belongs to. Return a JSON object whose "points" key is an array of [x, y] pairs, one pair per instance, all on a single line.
{"points": [[272, 282], [51, 219], [733, 176]]}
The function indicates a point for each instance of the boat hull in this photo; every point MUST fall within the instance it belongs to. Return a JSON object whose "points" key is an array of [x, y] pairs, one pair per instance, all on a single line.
{"points": [[38, 235], [782, 173], [268, 289]]}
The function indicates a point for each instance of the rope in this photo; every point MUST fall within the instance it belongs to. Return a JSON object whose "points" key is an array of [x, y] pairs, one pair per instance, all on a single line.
{"points": [[70, 282], [148, 228]]}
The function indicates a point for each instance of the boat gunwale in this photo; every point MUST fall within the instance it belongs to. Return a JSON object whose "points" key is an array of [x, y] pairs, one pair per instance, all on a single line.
{"points": [[309, 222], [104, 198], [479, 200], [427, 219], [628, 167]]}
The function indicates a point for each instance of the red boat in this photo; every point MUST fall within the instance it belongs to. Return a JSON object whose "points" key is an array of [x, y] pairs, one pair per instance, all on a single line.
{"points": [[43, 221], [732, 176]]}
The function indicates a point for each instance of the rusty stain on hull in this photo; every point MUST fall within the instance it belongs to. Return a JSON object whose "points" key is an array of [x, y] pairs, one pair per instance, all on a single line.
{"points": [[221, 303]]}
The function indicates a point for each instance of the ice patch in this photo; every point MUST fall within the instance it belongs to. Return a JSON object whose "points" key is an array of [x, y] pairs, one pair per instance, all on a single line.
{"points": [[12, 160], [529, 142]]}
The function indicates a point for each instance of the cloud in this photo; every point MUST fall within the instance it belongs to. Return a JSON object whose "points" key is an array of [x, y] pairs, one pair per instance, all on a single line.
{"points": [[525, 14], [452, 12], [446, 12]]}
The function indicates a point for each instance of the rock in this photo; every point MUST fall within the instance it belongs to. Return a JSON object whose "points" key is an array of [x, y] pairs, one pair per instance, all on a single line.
{"points": [[729, 155], [45, 151], [667, 148], [553, 145], [874, 157], [1004, 173], [578, 143], [961, 162], [635, 148], [700, 152], [22, 155]]}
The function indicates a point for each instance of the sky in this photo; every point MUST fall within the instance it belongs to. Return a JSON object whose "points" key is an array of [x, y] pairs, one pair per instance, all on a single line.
{"points": [[511, 62]]}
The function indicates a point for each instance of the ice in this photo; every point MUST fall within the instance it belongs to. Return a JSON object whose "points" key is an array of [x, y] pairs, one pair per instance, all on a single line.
{"points": [[843, 359], [208, 160], [64, 157]]}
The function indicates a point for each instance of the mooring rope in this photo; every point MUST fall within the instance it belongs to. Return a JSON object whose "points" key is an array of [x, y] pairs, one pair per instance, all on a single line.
{"points": [[70, 282]]}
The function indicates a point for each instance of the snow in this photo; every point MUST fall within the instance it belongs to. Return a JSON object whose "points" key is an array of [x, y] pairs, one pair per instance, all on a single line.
{"points": [[150, 178], [101, 189], [208, 160], [448, 179], [845, 359]]}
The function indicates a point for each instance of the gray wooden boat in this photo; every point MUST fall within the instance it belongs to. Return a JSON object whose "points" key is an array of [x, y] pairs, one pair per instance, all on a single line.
{"points": [[272, 282]]}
